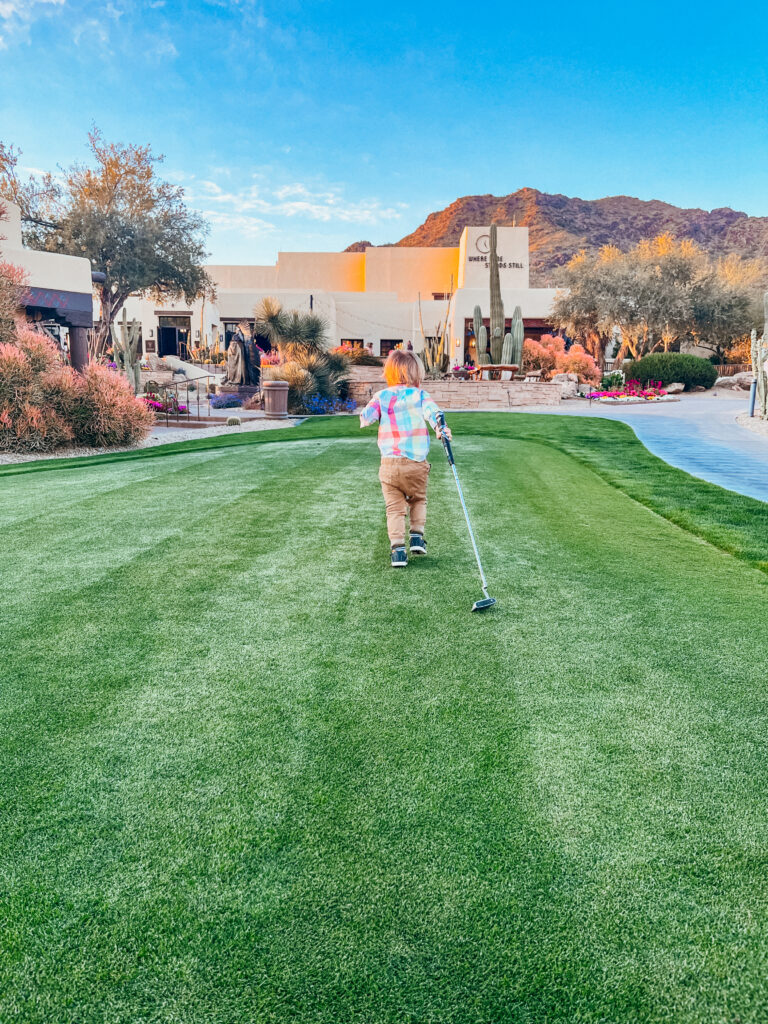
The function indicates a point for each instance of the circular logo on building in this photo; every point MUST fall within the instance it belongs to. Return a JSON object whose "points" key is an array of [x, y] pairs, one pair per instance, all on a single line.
{"points": [[483, 243]]}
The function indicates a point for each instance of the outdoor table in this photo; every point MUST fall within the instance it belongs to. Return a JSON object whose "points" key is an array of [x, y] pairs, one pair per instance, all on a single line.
{"points": [[477, 373]]}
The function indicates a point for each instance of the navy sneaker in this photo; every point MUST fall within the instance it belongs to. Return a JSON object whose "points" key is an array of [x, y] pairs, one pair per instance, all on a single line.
{"points": [[399, 557], [417, 544]]}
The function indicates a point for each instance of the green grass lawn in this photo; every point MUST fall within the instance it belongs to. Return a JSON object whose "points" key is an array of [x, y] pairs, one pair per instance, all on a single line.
{"points": [[251, 774]]}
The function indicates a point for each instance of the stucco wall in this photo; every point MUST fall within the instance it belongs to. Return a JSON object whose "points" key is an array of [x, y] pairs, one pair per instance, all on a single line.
{"points": [[324, 271], [409, 271], [43, 269], [242, 278], [490, 395]]}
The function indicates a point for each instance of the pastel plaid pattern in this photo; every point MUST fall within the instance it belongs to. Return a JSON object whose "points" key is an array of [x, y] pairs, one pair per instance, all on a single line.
{"points": [[403, 413]]}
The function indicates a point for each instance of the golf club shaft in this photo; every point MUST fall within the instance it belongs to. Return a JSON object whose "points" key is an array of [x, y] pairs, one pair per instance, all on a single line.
{"points": [[449, 456], [469, 527]]}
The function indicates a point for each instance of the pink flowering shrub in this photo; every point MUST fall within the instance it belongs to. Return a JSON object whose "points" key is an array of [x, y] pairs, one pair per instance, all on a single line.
{"points": [[110, 414], [577, 360], [45, 404], [632, 389], [549, 355]]}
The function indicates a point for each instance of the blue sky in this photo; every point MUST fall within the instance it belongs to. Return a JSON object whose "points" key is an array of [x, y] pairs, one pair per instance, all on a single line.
{"points": [[310, 125]]}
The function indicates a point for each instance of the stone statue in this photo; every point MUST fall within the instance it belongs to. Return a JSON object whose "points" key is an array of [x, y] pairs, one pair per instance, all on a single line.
{"points": [[237, 370]]}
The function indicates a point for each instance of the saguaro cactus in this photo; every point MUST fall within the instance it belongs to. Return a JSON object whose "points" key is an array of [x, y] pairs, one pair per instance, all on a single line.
{"points": [[497, 306], [126, 350], [513, 341], [505, 348], [481, 338]]}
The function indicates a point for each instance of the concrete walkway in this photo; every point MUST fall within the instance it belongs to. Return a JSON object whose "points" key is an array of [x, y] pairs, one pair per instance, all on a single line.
{"points": [[698, 434]]}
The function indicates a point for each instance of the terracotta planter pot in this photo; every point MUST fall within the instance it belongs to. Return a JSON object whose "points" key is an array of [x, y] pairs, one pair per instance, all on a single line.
{"points": [[275, 399]]}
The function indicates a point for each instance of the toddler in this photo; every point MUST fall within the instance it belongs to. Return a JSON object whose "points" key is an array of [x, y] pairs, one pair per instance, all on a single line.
{"points": [[403, 410]]}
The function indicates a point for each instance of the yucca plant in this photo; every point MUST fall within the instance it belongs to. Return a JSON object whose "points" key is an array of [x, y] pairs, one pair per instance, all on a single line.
{"points": [[310, 375], [292, 331]]}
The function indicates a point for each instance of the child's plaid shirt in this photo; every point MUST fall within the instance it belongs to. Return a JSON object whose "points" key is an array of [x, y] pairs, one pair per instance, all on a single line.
{"points": [[403, 413]]}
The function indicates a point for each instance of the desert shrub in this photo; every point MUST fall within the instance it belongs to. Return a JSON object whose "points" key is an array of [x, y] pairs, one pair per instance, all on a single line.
{"points": [[317, 406], [537, 357], [11, 285], [612, 381], [577, 360], [674, 367], [357, 356], [301, 384], [45, 404], [28, 421], [549, 355], [740, 351], [312, 375], [109, 413]]}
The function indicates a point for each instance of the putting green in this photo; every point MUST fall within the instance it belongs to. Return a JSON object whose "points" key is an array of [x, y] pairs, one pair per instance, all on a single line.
{"points": [[249, 773]]}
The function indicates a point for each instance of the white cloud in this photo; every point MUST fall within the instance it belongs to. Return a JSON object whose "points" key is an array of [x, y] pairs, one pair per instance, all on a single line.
{"points": [[17, 15], [294, 200], [251, 227]]}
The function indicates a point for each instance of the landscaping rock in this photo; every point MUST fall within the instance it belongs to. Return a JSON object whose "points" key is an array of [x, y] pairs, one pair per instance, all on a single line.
{"points": [[675, 389], [569, 383], [738, 382]]}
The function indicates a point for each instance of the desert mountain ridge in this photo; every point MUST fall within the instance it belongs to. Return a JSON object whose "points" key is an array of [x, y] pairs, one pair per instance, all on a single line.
{"points": [[561, 226]]}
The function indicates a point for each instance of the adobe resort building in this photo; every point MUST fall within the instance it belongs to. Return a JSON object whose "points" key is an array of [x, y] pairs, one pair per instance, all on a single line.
{"points": [[58, 295], [382, 295]]}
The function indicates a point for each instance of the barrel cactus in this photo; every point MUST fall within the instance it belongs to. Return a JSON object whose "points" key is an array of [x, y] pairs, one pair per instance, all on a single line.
{"points": [[234, 421]]}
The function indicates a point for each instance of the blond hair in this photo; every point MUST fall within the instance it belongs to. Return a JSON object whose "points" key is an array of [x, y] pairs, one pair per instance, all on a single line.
{"points": [[402, 368]]}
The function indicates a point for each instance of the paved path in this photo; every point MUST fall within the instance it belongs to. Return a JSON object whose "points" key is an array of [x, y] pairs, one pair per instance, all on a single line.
{"points": [[698, 434]]}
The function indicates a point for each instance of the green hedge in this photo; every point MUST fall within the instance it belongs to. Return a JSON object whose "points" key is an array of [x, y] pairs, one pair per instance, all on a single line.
{"points": [[673, 367]]}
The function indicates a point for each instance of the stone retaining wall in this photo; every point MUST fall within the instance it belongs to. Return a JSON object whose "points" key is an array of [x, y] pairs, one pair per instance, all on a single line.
{"points": [[465, 394]]}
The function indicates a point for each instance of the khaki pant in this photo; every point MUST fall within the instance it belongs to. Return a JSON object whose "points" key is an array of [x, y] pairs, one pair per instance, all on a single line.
{"points": [[404, 485]]}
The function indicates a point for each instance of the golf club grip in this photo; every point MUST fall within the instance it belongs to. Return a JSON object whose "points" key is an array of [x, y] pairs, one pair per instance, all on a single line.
{"points": [[446, 442]]}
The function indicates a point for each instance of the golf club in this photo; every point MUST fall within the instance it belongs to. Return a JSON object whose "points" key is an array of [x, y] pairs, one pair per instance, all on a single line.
{"points": [[485, 601]]}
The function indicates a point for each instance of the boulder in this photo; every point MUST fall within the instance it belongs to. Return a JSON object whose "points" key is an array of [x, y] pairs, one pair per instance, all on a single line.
{"points": [[569, 384], [675, 389], [738, 382]]}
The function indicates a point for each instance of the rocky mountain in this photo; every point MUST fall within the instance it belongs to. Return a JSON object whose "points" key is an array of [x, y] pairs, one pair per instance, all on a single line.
{"points": [[561, 226], [360, 246]]}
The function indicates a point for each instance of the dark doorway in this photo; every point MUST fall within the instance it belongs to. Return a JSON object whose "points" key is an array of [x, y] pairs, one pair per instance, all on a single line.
{"points": [[173, 336], [167, 341]]}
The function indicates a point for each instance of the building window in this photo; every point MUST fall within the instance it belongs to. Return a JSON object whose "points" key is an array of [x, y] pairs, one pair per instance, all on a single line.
{"points": [[353, 342], [387, 344], [441, 296]]}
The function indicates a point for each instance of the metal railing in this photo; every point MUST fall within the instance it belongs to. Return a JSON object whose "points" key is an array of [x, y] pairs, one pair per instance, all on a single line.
{"points": [[170, 396]]}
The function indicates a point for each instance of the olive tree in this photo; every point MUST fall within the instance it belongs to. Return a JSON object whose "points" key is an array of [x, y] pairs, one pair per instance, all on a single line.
{"points": [[120, 214], [661, 292]]}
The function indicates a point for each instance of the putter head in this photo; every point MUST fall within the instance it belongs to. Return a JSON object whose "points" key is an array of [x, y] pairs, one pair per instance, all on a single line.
{"points": [[483, 603]]}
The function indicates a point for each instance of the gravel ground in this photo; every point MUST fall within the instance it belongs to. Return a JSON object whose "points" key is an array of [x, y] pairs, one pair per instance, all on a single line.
{"points": [[160, 435], [757, 426]]}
